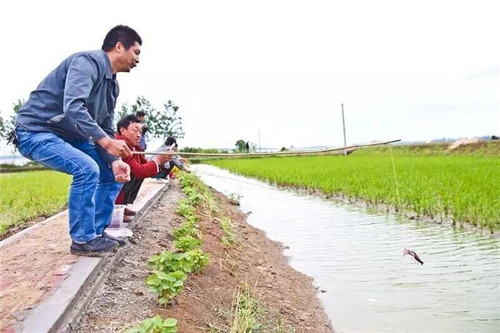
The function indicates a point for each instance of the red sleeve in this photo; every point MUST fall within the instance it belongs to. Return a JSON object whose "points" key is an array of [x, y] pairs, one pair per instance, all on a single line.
{"points": [[143, 168]]}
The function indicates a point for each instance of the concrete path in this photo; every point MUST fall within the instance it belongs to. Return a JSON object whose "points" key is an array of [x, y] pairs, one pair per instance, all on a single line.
{"points": [[43, 288]]}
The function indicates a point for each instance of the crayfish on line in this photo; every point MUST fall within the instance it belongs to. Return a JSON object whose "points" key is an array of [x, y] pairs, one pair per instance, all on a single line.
{"points": [[413, 254]]}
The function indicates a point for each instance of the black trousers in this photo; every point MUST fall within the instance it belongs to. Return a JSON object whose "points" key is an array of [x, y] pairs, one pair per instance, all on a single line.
{"points": [[130, 189]]}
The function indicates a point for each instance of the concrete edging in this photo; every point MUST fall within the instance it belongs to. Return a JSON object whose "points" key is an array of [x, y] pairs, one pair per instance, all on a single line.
{"points": [[69, 301]]}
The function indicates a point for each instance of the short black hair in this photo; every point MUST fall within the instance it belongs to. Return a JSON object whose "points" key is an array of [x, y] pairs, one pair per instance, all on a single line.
{"points": [[121, 33], [170, 141], [126, 121], [140, 114]]}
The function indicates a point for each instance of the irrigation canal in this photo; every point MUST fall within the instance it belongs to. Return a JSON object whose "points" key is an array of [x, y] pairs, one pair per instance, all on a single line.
{"points": [[356, 257]]}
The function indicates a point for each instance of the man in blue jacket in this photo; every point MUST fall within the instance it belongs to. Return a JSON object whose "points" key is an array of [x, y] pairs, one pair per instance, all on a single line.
{"points": [[67, 125]]}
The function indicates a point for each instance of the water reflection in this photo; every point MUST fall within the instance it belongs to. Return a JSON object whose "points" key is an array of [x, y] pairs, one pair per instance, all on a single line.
{"points": [[356, 256]]}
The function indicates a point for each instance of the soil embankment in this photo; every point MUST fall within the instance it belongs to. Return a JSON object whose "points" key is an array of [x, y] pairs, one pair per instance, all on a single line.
{"points": [[288, 296]]}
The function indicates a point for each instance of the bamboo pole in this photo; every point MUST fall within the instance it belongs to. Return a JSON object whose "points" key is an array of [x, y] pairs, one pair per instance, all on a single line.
{"points": [[281, 153]]}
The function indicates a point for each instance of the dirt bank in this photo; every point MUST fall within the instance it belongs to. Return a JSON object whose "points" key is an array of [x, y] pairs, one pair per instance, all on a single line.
{"points": [[207, 299]]}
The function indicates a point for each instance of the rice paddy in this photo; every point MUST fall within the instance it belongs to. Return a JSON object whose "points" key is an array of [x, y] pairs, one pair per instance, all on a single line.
{"points": [[27, 195], [462, 185]]}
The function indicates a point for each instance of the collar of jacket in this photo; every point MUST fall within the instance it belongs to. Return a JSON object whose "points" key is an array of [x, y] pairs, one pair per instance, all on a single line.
{"points": [[109, 72]]}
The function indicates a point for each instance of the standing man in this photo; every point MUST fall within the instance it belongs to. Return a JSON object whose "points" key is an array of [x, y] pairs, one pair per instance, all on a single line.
{"points": [[67, 125], [141, 115]]}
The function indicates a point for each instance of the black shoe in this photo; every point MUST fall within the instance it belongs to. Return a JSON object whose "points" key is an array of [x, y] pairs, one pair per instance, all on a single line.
{"points": [[129, 212], [120, 241], [95, 248]]}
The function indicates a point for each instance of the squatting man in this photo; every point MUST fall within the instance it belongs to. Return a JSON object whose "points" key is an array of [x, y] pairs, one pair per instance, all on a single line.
{"points": [[67, 125]]}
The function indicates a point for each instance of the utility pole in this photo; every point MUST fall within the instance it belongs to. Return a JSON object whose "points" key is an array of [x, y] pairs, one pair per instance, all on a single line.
{"points": [[343, 124], [260, 150]]}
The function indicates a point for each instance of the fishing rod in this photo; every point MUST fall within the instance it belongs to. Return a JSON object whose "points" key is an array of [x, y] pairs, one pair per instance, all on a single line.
{"points": [[281, 153]]}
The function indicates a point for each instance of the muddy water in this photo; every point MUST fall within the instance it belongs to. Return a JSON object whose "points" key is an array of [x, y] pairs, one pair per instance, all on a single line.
{"points": [[356, 257]]}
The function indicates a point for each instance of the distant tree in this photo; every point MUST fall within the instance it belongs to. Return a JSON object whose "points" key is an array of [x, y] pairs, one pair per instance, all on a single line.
{"points": [[241, 145], [199, 150], [141, 104], [283, 149], [168, 122], [8, 125], [161, 123]]}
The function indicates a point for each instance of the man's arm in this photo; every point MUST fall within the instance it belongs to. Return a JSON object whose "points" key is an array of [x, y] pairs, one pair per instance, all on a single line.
{"points": [[107, 127], [121, 170], [141, 168], [82, 74], [141, 171]]}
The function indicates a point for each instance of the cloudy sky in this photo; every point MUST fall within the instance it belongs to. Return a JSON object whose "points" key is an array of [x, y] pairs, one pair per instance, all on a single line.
{"points": [[410, 70]]}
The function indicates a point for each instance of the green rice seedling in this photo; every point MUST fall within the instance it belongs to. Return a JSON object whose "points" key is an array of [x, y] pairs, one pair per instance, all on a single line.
{"points": [[461, 186], [247, 312], [249, 315], [27, 195], [155, 325], [208, 203], [228, 229]]}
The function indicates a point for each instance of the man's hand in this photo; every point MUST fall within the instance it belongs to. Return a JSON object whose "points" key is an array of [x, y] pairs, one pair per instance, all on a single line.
{"points": [[115, 147], [164, 157], [121, 170]]}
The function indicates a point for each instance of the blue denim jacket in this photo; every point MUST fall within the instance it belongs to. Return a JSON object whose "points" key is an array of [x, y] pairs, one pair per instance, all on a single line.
{"points": [[76, 100]]}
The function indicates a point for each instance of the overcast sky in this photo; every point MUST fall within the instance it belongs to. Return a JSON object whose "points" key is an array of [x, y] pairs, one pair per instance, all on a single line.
{"points": [[410, 70]]}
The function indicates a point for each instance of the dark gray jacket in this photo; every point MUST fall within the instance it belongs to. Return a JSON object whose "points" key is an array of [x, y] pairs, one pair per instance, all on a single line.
{"points": [[76, 100]]}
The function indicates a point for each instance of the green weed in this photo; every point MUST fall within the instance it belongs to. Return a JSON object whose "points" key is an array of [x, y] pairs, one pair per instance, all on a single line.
{"points": [[166, 285], [155, 325]]}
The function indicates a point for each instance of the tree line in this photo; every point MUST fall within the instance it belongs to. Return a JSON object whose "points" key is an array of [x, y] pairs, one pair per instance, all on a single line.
{"points": [[161, 122]]}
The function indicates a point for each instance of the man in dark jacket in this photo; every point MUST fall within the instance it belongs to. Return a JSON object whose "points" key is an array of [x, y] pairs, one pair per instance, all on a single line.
{"points": [[67, 125], [141, 115]]}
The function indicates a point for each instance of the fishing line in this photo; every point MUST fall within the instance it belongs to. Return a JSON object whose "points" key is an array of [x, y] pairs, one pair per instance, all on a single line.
{"points": [[395, 179]]}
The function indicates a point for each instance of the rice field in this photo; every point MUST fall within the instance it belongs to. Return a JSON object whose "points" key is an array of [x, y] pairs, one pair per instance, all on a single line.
{"points": [[463, 186], [27, 195]]}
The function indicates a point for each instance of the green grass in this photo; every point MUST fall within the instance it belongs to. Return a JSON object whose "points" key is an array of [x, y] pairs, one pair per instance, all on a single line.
{"points": [[27, 195], [249, 314], [462, 185]]}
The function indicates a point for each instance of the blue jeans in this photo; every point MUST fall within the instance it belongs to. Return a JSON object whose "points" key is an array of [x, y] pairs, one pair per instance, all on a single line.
{"points": [[93, 190]]}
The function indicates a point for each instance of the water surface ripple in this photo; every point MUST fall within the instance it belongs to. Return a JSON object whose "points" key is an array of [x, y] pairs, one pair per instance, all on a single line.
{"points": [[356, 257]]}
